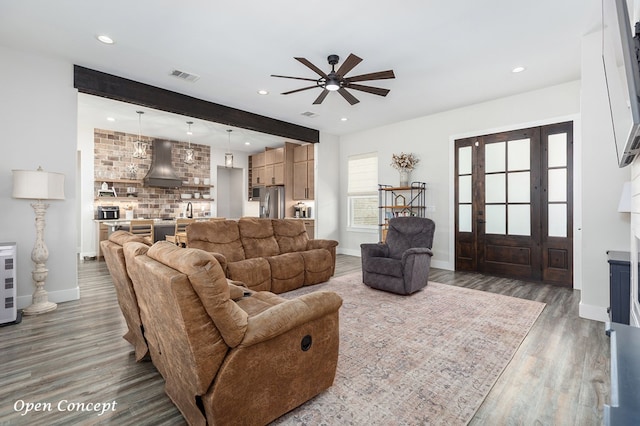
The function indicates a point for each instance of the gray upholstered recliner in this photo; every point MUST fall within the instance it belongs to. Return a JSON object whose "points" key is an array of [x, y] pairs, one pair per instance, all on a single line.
{"points": [[401, 264]]}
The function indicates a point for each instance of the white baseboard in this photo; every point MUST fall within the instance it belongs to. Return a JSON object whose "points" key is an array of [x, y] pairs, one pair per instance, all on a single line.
{"points": [[596, 313], [54, 296], [348, 252], [442, 265]]}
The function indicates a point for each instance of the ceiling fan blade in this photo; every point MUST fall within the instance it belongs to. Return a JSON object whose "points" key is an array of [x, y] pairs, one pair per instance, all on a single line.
{"points": [[348, 64], [299, 90], [380, 75], [348, 96], [313, 67], [321, 97], [295, 78], [369, 89]]}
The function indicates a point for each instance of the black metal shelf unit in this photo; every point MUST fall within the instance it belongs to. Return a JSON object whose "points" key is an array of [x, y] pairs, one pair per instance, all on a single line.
{"points": [[398, 201]]}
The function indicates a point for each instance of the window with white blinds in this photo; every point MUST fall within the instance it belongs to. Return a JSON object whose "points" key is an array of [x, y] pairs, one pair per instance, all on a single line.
{"points": [[362, 190], [362, 174]]}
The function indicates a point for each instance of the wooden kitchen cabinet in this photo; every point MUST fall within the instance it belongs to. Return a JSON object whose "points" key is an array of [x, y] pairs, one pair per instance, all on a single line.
{"points": [[274, 166], [303, 153], [274, 174], [103, 234], [310, 227], [258, 169], [258, 176], [274, 156], [303, 173]]}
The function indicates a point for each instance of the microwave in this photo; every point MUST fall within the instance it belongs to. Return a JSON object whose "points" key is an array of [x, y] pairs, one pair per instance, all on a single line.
{"points": [[108, 212], [256, 192]]}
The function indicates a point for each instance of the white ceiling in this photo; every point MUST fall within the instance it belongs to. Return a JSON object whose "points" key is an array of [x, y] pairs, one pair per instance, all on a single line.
{"points": [[444, 54]]}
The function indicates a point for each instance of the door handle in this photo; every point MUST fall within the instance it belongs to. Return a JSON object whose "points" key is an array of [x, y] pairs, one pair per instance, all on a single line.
{"points": [[481, 221]]}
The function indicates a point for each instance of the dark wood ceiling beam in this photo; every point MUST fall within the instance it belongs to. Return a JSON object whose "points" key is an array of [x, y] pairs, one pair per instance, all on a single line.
{"points": [[121, 89]]}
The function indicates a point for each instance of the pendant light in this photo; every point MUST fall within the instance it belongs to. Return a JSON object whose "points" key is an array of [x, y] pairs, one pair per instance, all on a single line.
{"points": [[139, 147], [228, 156], [188, 157]]}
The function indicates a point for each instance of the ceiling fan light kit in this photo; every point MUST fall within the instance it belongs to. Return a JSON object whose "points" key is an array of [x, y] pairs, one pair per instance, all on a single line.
{"points": [[336, 81]]}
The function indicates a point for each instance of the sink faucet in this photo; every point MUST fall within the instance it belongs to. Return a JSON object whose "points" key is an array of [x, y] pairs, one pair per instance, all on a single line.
{"points": [[189, 210]]}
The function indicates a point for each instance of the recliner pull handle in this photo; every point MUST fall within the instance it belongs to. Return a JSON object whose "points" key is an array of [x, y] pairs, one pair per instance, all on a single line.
{"points": [[305, 344]]}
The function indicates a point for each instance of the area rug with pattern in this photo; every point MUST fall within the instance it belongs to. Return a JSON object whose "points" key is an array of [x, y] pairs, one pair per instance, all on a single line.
{"points": [[426, 359]]}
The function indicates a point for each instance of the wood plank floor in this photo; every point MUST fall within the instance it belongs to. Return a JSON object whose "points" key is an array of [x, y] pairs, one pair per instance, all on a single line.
{"points": [[76, 354]]}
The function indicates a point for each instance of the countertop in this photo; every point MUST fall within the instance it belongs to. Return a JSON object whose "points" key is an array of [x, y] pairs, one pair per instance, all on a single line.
{"points": [[120, 222]]}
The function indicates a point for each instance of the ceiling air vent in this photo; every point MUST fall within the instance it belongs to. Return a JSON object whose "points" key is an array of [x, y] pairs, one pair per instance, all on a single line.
{"points": [[309, 114], [185, 75]]}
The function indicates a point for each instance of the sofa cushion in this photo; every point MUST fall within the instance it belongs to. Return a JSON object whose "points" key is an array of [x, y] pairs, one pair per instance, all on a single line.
{"points": [[255, 273], [217, 236], [318, 266], [257, 237], [407, 232], [259, 302], [385, 266], [120, 237], [287, 272], [208, 281], [290, 234]]}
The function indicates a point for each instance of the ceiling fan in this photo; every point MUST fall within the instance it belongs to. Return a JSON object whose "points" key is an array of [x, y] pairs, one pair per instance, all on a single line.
{"points": [[336, 80]]}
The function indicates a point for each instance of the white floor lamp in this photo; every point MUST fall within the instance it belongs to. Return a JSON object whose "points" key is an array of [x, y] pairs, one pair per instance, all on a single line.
{"points": [[39, 185]]}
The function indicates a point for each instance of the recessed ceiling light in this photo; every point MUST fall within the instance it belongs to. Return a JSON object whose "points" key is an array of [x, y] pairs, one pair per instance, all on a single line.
{"points": [[247, 143], [344, 119], [105, 39], [263, 92], [517, 70], [111, 119]]}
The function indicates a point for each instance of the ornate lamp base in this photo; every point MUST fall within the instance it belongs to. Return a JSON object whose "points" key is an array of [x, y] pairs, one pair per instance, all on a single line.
{"points": [[39, 308], [40, 300]]}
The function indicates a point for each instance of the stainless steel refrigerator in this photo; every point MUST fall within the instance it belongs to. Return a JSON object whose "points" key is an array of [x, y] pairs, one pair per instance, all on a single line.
{"points": [[272, 202]]}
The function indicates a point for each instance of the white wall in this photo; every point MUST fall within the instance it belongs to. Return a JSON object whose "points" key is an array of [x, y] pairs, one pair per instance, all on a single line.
{"points": [[603, 228], [230, 192], [87, 227], [38, 120], [327, 182], [432, 138]]}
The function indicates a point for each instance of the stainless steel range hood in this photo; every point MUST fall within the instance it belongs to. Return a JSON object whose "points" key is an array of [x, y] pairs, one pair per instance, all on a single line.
{"points": [[161, 173]]}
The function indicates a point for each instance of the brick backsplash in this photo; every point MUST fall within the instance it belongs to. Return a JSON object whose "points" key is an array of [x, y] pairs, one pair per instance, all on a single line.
{"points": [[114, 154]]}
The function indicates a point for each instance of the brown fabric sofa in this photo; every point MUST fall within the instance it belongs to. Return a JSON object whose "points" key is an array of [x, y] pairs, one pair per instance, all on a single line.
{"points": [[273, 255], [114, 258], [232, 358]]}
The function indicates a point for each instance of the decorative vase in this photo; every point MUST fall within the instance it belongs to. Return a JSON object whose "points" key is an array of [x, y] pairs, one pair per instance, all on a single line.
{"points": [[404, 177]]}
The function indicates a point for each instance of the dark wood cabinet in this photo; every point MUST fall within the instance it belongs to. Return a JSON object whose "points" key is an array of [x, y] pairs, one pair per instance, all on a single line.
{"points": [[619, 286]]}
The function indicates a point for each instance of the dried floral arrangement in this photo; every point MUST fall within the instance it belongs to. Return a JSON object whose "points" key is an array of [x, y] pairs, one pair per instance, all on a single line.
{"points": [[404, 161]]}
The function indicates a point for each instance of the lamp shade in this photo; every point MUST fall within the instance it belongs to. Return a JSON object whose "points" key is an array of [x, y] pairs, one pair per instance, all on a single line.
{"points": [[38, 185]]}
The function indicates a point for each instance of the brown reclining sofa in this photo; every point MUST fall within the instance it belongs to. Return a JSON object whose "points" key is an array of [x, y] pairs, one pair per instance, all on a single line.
{"points": [[231, 355], [114, 259], [273, 255]]}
